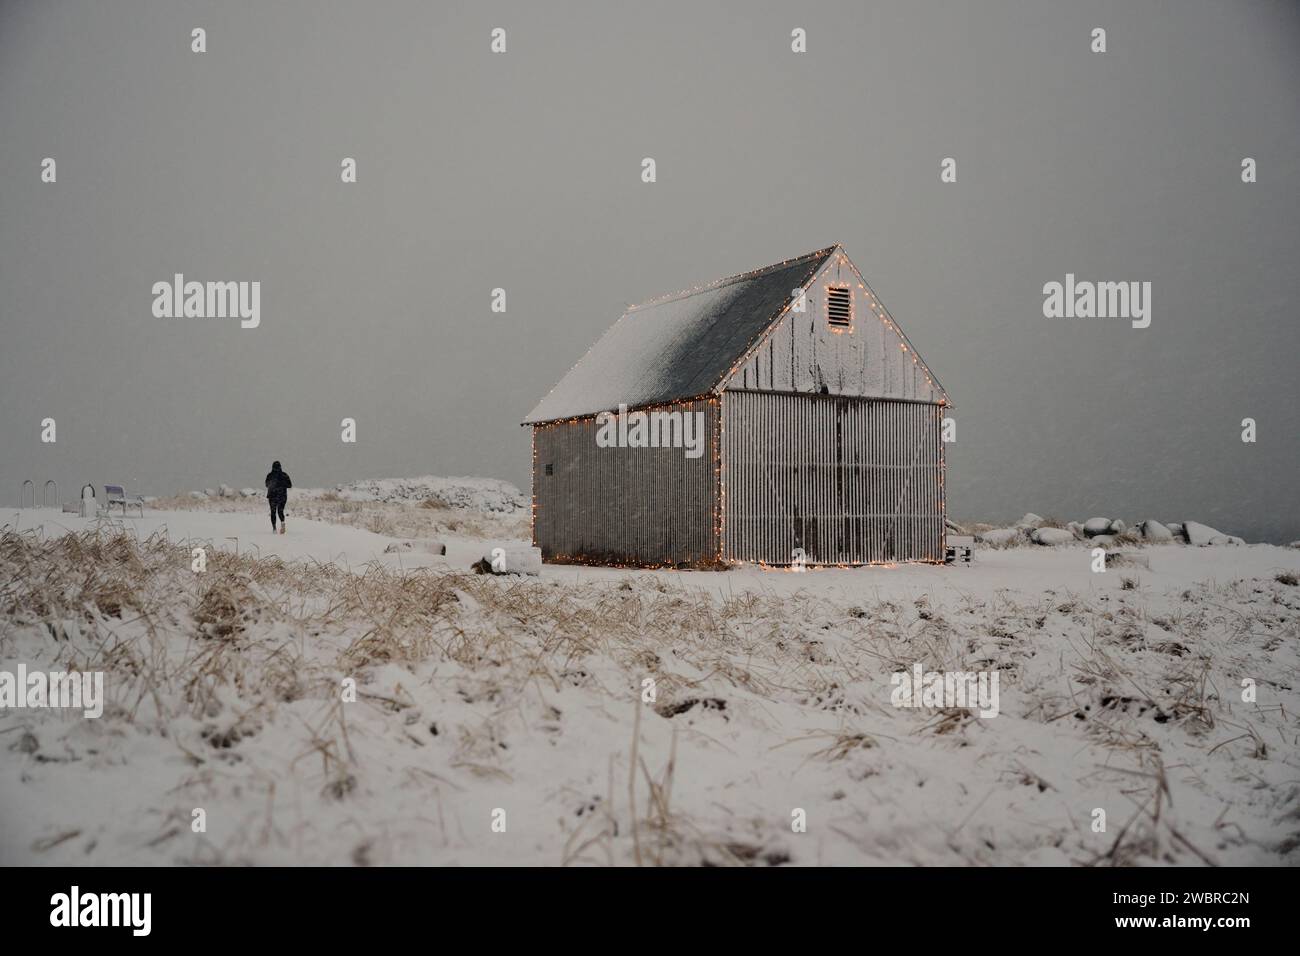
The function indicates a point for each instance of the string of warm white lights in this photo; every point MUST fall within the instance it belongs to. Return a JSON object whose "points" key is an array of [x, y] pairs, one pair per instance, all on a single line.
{"points": [[728, 280], [878, 308]]}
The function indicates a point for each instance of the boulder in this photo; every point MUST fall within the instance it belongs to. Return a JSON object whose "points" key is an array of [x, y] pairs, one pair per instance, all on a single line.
{"points": [[509, 560], [1052, 536], [1075, 527], [999, 536], [1101, 541], [225, 491], [1176, 529], [1202, 534], [1155, 532], [1117, 527], [1095, 526], [210, 492], [248, 492], [198, 495], [1227, 539], [1030, 521], [425, 545]]}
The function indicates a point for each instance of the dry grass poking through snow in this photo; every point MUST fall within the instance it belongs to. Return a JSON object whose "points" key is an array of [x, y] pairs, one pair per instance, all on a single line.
{"points": [[476, 693]]}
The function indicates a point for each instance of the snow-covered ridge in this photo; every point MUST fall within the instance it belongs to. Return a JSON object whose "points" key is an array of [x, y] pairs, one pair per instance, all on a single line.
{"points": [[473, 493], [479, 494]]}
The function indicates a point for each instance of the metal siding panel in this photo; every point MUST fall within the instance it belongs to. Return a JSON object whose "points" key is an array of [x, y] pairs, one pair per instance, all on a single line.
{"points": [[624, 505], [849, 480]]}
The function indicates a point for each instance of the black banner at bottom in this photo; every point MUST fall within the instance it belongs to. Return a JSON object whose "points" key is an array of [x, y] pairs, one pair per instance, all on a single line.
{"points": [[344, 905]]}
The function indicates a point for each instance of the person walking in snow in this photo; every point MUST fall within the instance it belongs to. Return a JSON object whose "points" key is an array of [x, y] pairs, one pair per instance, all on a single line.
{"points": [[277, 493]]}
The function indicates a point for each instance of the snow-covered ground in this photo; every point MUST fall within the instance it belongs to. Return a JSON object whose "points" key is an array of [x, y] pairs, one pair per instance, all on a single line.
{"points": [[249, 532], [475, 493], [482, 698]]}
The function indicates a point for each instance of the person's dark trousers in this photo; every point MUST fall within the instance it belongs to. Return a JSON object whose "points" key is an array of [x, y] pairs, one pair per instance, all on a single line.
{"points": [[277, 507]]}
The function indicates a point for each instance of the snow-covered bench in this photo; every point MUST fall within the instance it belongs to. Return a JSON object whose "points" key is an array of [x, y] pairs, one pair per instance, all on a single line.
{"points": [[116, 495], [958, 548]]}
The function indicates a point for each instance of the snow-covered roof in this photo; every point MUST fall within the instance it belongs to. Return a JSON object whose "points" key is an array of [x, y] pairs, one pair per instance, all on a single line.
{"points": [[678, 346]]}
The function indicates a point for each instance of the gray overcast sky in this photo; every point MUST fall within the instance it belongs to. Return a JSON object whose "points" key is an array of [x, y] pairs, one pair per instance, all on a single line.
{"points": [[523, 171]]}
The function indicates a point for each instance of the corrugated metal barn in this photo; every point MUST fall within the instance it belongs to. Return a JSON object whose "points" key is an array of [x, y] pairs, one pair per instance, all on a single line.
{"points": [[775, 417]]}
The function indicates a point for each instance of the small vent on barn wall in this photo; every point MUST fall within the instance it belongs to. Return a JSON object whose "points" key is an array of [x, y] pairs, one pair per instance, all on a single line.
{"points": [[839, 307], [550, 469]]}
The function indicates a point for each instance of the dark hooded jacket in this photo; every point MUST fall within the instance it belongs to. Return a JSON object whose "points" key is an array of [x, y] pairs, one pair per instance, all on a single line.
{"points": [[278, 483]]}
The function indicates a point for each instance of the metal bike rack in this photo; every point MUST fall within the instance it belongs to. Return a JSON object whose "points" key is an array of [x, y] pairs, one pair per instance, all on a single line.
{"points": [[45, 493], [22, 495]]}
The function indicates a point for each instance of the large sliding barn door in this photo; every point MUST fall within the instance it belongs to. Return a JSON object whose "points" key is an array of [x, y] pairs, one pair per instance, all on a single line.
{"points": [[842, 480]]}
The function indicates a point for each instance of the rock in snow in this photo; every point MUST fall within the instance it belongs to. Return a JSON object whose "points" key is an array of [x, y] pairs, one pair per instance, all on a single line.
{"points": [[1052, 536], [1155, 531], [1030, 521], [248, 492], [225, 491], [512, 560], [999, 535], [1102, 541], [1176, 529], [427, 545], [1095, 526], [1117, 526], [1202, 535]]}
